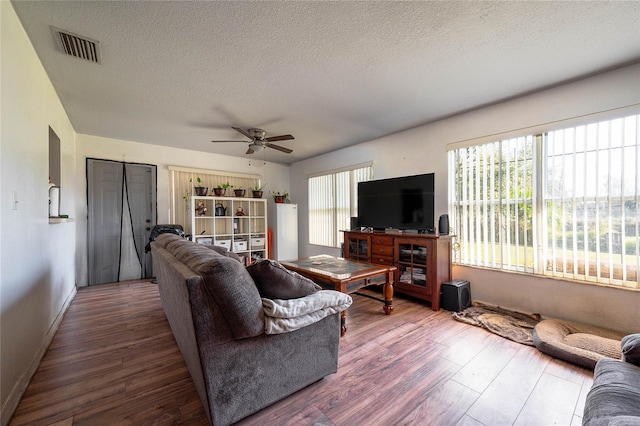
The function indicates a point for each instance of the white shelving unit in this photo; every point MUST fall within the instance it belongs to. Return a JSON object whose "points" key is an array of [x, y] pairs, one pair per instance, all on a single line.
{"points": [[244, 235]]}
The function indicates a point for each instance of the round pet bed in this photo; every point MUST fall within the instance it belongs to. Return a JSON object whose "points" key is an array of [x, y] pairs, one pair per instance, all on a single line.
{"points": [[577, 343]]}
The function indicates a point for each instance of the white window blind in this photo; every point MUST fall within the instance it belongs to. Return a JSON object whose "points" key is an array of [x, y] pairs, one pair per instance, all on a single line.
{"points": [[321, 207], [493, 203], [332, 201], [562, 203], [591, 194]]}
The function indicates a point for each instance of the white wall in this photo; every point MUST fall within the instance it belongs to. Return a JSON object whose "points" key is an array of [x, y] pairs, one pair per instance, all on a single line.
{"points": [[37, 271], [613, 308], [275, 175], [424, 150]]}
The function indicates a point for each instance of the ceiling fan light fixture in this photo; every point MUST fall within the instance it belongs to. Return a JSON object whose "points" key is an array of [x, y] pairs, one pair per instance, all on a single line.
{"points": [[259, 142]]}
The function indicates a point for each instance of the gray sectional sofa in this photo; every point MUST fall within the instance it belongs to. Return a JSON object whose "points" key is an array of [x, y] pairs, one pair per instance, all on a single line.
{"points": [[614, 398], [216, 314]]}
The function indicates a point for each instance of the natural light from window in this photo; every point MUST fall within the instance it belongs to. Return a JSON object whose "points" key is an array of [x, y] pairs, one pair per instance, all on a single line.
{"points": [[333, 200], [562, 203]]}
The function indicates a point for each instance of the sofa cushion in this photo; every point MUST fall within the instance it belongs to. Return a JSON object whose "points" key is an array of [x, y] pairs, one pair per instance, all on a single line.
{"points": [[173, 243], [614, 396], [631, 348], [166, 238], [232, 289], [191, 253], [274, 281], [223, 251], [228, 285]]}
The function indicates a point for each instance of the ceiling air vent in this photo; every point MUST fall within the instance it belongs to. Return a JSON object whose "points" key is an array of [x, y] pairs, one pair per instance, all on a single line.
{"points": [[77, 46]]}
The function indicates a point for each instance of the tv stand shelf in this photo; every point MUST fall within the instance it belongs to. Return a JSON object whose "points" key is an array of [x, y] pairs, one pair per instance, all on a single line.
{"points": [[423, 261]]}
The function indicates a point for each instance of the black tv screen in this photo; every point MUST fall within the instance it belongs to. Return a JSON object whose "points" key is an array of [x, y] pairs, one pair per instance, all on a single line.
{"points": [[402, 203]]}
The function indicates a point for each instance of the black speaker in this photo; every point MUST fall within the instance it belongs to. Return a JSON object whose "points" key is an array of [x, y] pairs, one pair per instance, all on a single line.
{"points": [[456, 295], [354, 223], [443, 225]]}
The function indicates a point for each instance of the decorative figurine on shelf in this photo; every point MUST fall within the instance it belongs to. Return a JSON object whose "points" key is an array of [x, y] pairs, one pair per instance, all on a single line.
{"points": [[200, 208], [239, 211]]}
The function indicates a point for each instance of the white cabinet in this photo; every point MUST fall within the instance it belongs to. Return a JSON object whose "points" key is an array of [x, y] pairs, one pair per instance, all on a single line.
{"points": [[239, 224]]}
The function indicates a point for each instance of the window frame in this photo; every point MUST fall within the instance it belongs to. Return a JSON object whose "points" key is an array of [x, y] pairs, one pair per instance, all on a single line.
{"points": [[540, 210], [334, 221]]}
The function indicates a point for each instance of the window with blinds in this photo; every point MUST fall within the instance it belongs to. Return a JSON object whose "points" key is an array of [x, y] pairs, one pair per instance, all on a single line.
{"points": [[493, 203], [562, 203], [333, 198], [591, 191]]}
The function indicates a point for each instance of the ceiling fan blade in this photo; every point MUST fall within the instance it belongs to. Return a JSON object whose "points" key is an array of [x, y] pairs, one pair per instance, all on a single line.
{"points": [[279, 138], [279, 148], [249, 151], [244, 132]]}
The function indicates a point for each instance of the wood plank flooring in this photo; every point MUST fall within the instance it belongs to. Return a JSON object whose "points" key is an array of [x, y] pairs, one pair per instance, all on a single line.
{"points": [[114, 362]]}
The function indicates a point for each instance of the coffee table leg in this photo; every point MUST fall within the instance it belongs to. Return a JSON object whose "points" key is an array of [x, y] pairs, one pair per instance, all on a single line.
{"points": [[343, 323], [388, 295]]}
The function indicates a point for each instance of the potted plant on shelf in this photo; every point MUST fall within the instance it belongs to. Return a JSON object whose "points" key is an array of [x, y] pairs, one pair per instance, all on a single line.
{"points": [[220, 190], [201, 191], [239, 192], [280, 197], [256, 190]]}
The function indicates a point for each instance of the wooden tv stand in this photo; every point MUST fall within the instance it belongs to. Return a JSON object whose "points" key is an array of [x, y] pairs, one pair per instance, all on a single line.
{"points": [[423, 261]]}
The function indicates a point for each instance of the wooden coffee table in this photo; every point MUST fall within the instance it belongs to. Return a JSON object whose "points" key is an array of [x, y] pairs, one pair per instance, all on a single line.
{"points": [[346, 276]]}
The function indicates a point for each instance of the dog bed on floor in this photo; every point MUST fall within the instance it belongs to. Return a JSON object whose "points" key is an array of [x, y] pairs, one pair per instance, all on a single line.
{"points": [[580, 344]]}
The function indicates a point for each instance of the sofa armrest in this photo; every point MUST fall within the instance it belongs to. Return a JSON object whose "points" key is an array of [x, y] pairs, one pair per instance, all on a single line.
{"points": [[630, 346], [614, 395], [246, 375]]}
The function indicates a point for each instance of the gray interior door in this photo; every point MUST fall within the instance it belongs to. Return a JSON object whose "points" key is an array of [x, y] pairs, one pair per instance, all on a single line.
{"points": [[121, 212], [104, 191], [141, 190]]}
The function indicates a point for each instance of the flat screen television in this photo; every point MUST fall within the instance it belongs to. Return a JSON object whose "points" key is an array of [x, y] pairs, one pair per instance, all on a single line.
{"points": [[405, 203]]}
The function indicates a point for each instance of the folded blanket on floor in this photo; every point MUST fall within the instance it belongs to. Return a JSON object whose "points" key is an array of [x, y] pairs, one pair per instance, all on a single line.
{"points": [[282, 316], [513, 325]]}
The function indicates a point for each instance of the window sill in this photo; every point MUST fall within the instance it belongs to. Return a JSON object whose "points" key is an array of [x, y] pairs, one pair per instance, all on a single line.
{"points": [[551, 277], [53, 220]]}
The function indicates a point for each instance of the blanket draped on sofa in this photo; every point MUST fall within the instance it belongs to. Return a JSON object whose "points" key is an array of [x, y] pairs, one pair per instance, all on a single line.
{"points": [[283, 316]]}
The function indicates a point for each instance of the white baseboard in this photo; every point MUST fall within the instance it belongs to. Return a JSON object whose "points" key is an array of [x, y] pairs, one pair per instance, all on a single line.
{"points": [[11, 403]]}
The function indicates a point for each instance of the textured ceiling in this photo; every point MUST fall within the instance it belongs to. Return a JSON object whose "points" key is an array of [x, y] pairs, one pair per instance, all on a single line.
{"points": [[333, 74]]}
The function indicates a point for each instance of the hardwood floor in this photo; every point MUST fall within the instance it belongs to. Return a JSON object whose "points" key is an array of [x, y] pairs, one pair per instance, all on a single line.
{"points": [[114, 362]]}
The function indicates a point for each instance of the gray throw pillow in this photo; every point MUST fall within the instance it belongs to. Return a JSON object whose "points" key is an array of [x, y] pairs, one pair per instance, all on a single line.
{"points": [[630, 346], [274, 281]]}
